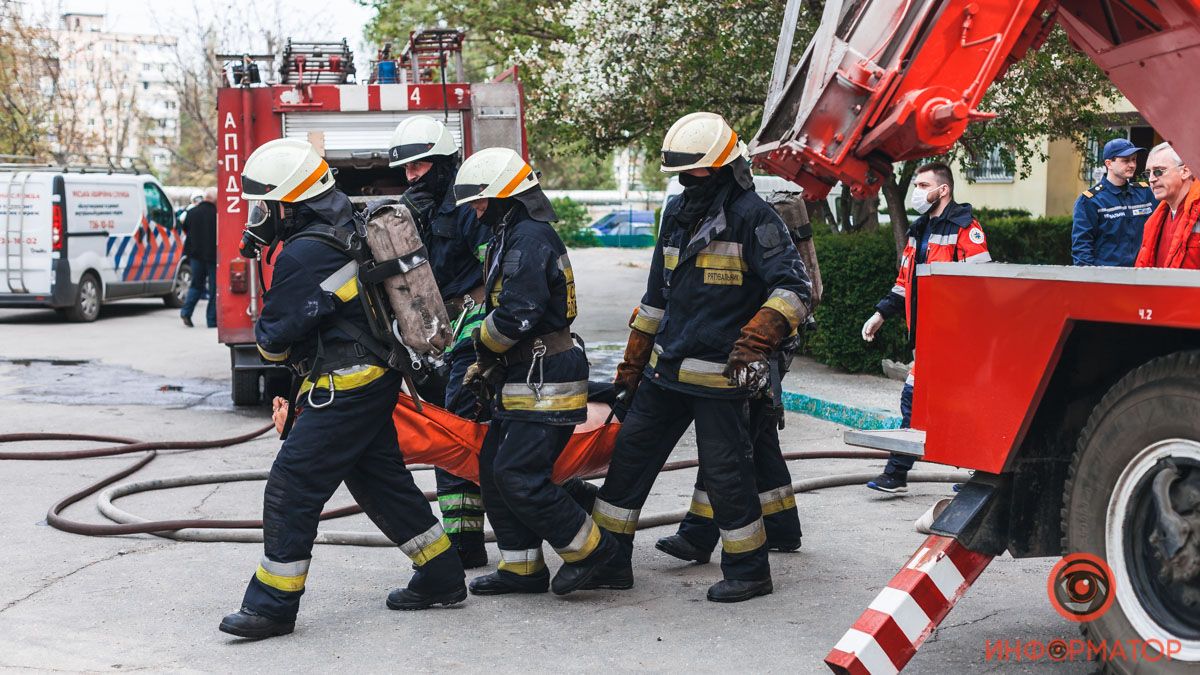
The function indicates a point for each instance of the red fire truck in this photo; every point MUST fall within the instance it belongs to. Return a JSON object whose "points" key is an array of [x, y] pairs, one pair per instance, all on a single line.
{"points": [[1074, 393], [316, 99]]}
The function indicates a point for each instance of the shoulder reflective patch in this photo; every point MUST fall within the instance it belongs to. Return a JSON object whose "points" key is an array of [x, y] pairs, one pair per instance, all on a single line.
{"points": [[670, 257], [976, 235]]}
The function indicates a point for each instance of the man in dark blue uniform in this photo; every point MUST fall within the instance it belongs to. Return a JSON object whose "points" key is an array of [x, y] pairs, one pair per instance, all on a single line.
{"points": [[455, 239], [1109, 216], [726, 287], [536, 376], [313, 320]]}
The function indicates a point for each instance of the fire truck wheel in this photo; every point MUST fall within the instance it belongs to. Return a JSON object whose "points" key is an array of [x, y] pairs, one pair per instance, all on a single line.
{"points": [[1142, 438], [87, 300], [179, 288], [245, 388]]}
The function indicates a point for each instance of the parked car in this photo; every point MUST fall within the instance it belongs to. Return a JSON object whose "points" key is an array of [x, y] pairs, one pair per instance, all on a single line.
{"points": [[629, 218]]}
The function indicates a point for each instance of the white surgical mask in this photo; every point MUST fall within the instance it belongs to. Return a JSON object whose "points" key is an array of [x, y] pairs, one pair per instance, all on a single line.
{"points": [[920, 200]]}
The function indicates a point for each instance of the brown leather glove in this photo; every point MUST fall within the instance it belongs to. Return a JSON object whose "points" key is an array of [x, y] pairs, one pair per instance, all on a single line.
{"points": [[487, 373], [637, 355], [747, 365]]}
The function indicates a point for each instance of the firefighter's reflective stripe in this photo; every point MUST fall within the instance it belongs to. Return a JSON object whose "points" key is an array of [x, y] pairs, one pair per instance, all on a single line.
{"points": [[427, 545], [274, 357], [700, 504], [283, 576], [779, 499], [648, 319], [459, 501], [670, 257], [492, 338], [614, 518], [585, 541], [789, 305], [950, 239], [524, 562], [496, 288], [744, 539], [343, 283], [551, 396], [698, 372], [460, 524], [347, 378], [564, 264], [722, 255]]}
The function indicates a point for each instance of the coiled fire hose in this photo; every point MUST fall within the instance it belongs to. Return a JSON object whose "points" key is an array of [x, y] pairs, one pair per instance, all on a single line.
{"points": [[199, 529]]}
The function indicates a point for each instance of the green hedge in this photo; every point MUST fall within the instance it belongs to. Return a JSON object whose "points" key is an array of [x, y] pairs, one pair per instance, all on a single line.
{"points": [[858, 269], [572, 225]]}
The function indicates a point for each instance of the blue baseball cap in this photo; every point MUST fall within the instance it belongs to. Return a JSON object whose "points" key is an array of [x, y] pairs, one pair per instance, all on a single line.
{"points": [[1119, 147]]}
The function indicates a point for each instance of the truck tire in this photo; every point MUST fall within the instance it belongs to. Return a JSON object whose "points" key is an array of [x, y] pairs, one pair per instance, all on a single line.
{"points": [[1150, 416], [245, 388], [179, 287], [87, 300]]}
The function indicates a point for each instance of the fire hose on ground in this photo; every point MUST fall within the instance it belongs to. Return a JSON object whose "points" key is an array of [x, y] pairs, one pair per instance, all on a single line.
{"points": [[249, 531]]}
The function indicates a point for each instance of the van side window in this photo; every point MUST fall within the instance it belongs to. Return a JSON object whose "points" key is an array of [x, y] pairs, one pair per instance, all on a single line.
{"points": [[158, 207]]}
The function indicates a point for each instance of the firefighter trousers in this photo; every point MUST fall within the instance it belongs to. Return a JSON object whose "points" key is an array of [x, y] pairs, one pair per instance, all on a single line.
{"points": [[460, 500], [774, 484], [351, 440], [654, 424], [523, 504]]}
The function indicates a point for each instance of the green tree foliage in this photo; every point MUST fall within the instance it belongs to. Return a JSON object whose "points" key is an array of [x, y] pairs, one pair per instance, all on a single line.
{"points": [[572, 225]]}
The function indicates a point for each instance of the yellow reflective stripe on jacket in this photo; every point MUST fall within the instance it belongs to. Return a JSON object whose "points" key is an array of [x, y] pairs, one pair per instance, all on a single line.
{"points": [[343, 283], [779, 499], [670, 257], [287, 577], [722, 255], [586, 540], [524, 563], [492, 338], [789, 305], [426, 546], [347, 378], [274, 357], [698, 372], [564, 264], [648, 319], [744, 539], [700, 504], [553, 396], [614, 518]]}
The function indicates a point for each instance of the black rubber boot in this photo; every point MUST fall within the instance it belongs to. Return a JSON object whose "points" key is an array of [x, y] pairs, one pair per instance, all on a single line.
{"points": [[738, 591], [678, 546], [409, 599], [784, 545], [470, 549], [610, 578], [503, 583], [573, 576], [246, 623]]}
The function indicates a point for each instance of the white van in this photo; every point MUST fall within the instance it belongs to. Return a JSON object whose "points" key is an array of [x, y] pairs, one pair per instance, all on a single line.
{"points": [[75, 239]]}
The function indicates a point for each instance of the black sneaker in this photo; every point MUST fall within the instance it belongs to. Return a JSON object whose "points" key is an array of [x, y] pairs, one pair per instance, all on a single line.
{"points": [[890, 483], [187, 321], [246, 623]]}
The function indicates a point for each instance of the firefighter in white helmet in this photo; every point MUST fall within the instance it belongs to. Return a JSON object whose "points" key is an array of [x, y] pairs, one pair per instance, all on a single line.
{"points": [[314, 321], [425, 150], [530, 367], [726, 288]]}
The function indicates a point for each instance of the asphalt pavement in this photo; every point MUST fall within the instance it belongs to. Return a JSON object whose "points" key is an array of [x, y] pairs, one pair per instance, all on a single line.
{"points": [[76, 603]]}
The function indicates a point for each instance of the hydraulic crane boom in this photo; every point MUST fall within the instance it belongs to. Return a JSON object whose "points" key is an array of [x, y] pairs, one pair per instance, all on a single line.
{"points": [[884, 81]]}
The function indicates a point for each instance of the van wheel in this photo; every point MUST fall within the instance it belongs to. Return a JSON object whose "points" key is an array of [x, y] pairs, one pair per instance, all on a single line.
{"points": [[179, 288], [245, 388], [87, 300], [1133, 500]]}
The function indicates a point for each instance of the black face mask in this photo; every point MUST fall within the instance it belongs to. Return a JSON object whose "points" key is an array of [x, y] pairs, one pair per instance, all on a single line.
{"points": [[438, 179], [496, 210]]}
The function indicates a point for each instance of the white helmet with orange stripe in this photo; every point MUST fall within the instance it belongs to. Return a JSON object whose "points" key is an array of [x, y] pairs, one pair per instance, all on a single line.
{"points": [[700, 140], [286, 170], [493, 173]]}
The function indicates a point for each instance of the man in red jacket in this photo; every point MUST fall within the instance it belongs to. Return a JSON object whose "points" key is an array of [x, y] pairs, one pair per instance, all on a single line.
{"points": [[1171, 237], [946, 232]]}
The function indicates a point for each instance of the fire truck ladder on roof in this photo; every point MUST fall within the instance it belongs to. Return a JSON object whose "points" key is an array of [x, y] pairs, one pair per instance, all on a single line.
{"points": [[316, 63], [14, 231], [427, 49]]}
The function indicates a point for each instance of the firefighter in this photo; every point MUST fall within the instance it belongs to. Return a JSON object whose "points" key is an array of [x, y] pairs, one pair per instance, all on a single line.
{"points": [[528, 364], [427, 152], [726, 287], [313, 320], [946, 231], [1109, 216]]}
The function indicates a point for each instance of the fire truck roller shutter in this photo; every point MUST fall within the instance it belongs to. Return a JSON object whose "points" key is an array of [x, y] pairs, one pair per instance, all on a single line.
{"points": [[360, 135]]}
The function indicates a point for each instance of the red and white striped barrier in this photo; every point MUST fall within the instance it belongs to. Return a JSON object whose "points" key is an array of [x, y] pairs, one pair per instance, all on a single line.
{"points": [[886, 637]]}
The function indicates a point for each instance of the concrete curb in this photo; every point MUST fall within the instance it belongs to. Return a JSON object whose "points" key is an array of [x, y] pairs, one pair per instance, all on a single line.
{"points": [[840, 413]]}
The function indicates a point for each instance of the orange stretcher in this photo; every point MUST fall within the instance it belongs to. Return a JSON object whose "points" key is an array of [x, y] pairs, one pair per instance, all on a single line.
{"points": [[439, 437]]}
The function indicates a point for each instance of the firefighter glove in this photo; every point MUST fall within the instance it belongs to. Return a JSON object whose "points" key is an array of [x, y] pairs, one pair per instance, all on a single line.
{"points": [[637, 355], [487, 373], [747, 366]]}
